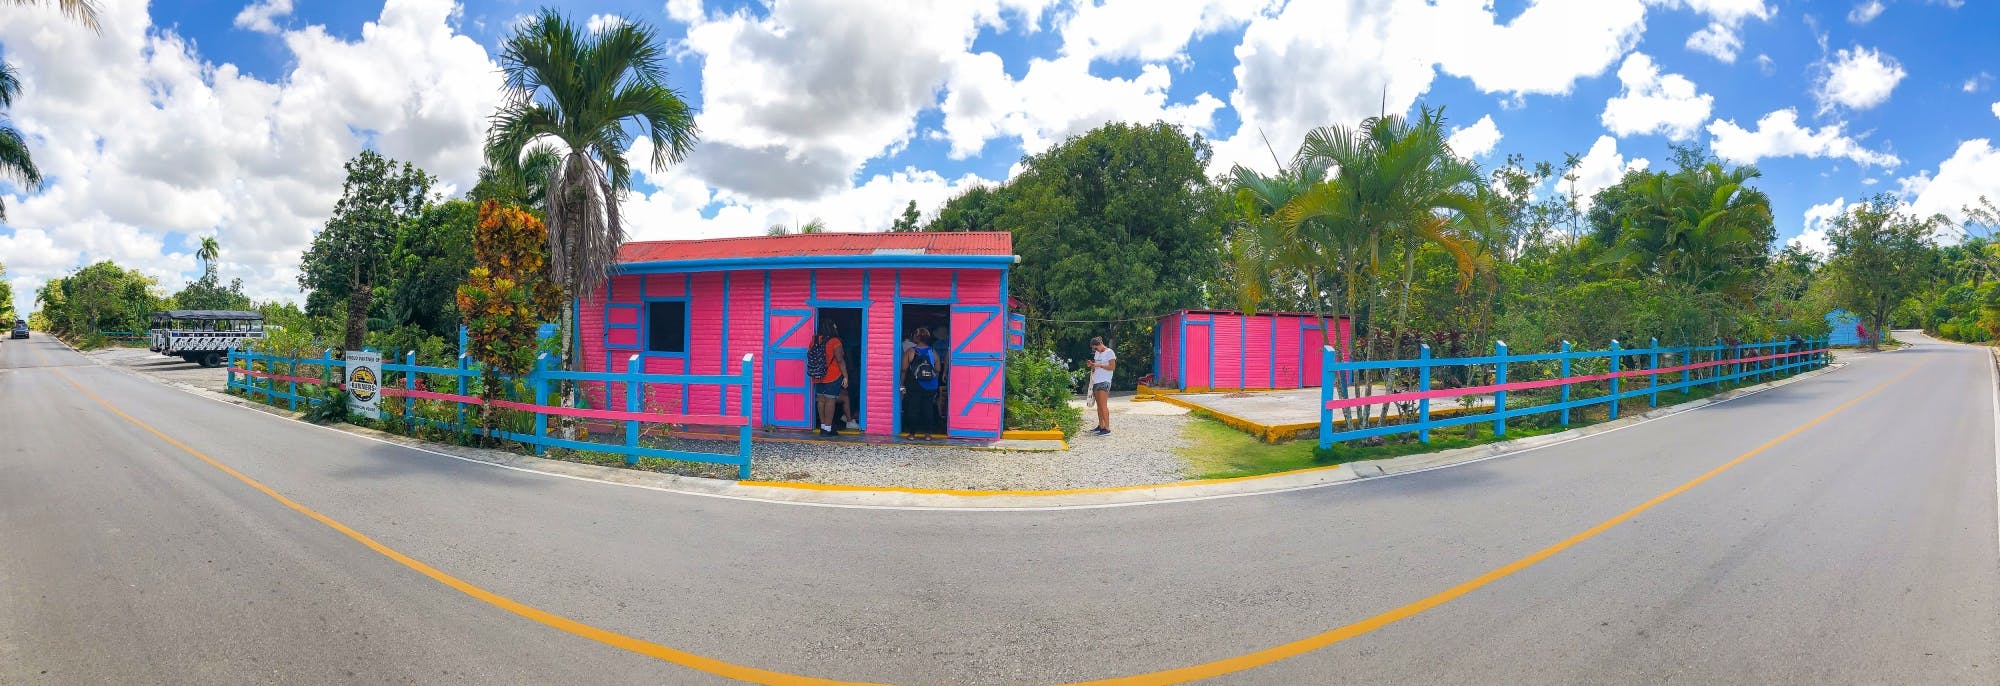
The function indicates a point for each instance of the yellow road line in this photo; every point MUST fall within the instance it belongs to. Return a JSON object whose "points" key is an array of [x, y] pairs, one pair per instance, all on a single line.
{"points": [[1311, 643], [614, 639], [1171, 676]]}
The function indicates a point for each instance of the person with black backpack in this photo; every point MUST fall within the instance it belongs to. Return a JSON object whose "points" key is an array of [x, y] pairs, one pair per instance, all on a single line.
{"points": [[823, 366], [920, 387]]}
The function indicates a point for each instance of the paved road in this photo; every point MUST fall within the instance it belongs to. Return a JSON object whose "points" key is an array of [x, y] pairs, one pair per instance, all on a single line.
{"points": [[1859, 549]]}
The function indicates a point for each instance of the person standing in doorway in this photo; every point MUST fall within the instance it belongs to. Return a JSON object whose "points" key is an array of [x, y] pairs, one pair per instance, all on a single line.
{"points": [[824, 364], [1101, 364], [920, 395]]}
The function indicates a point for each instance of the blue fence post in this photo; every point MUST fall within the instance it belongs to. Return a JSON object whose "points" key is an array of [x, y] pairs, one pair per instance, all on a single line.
{"points": [[539, 380], [1500, 397], [1653, 380], [292, 387], [410, 384], [1424, 386], [464, 363], [1564, 366], [1614, 380], [632, 389], [743, 410], [1325, 396], [230, 381], [1715, 375], [1736, 361], [1686, 357]]}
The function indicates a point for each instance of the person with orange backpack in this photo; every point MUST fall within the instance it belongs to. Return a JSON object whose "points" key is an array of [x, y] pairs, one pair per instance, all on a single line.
{"points": [[823, 366]]}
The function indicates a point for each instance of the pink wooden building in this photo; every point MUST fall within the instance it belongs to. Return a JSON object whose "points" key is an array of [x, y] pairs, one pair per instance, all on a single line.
{"points": [[696, 307], [1199, 350]]}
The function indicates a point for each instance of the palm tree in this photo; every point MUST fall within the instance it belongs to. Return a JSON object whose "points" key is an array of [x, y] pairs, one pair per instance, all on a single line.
{"points": [[1703, 228], [15, 162], [581, 93], [83, 11], [209, 250]]}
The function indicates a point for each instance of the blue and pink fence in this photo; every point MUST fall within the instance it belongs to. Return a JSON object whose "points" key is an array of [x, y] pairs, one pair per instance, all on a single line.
{"points": [[414, 383], [1696, 365]]}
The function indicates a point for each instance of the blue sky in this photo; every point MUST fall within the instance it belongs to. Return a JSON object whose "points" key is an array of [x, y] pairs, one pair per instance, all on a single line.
{"points": [[232, 117]]}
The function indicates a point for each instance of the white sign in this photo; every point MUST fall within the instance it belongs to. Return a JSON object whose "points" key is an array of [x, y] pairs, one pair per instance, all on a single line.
{"points": [[364, 384]]}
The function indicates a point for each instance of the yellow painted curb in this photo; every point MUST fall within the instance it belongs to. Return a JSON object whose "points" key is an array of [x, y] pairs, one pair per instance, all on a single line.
{"points": [[1027, 435], [806, 486], [1279, 433]]}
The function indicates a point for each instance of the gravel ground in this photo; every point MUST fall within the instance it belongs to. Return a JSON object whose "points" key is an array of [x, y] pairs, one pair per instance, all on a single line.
{"points": [[1141, 451]]}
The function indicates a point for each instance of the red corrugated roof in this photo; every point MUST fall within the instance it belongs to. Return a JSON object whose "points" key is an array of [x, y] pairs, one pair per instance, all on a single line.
{"points": [[970, 243]]}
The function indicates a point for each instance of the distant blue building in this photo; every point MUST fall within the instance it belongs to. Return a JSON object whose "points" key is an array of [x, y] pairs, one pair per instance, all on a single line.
{"points": [[1845, 326]]}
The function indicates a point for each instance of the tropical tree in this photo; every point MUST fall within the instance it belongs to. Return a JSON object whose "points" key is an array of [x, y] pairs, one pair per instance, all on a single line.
{"points": [[908, 220], [209, 250], [1702, 227], [506, 296], [432, 256], [15, 162], [583, 93], [82, 11], [1881, 255], [6, 298], [348, 256]]}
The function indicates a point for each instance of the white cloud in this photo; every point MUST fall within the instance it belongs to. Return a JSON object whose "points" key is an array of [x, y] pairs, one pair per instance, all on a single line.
{"points": [[1149, 30], [260, 16], [1866, 12], [1601, 167], [601, 22], [1057, 99], [1722, 37], [794, 102], [1778, 134], [142, 139], [1976, 83], [1765, 65], [1476, 140], [1857, 79], [1364, 57], [1651, 102], [1818, 219], [1996, 109], [1971, 171], [684, 11]]}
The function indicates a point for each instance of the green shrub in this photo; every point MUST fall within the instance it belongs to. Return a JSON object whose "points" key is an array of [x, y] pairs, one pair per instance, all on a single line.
{"points": [[325, 404], [1039, 388]]}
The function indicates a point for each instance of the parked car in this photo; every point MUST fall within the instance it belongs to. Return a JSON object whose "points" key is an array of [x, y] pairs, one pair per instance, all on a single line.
{"points": [[20, 329]]}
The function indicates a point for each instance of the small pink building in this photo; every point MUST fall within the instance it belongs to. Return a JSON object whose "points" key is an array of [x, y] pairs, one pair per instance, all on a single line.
{"points": [[696, 307], [1200, 350]]}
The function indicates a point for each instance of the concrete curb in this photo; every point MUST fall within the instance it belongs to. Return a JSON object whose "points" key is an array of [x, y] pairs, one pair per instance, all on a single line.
{"points": [[864, 497]]}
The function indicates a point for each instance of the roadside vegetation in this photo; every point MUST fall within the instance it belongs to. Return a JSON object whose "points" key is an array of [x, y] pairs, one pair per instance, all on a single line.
{"points": [[1214, 450], [1378, 220]]}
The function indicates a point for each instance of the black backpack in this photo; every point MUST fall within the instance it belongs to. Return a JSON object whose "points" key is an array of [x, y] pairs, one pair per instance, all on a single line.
{"points": [[816, 359], [924, 371]]}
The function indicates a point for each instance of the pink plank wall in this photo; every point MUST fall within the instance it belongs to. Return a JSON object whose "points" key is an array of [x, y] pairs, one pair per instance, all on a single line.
{"points": [[1256, 360], [790, 288], [979, 287], [705, 346], [747, 334], [837, 284], [1290, 340], [880, 380], [926, 283], [1228, 346], [1169, 352]]}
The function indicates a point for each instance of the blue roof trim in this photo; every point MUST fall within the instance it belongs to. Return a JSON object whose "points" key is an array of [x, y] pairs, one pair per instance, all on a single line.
{"points": [[816, 261]]}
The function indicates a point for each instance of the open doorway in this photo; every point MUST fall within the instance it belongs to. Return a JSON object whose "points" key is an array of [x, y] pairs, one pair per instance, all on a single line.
{"points": [[847, 320], [932, 319]]}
